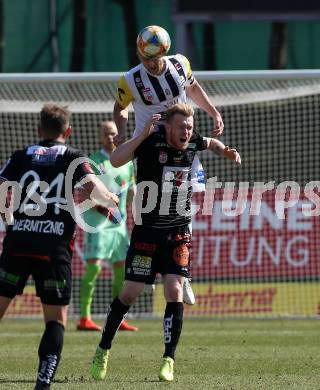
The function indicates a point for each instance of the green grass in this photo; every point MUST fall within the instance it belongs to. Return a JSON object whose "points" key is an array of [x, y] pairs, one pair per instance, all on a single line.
{"points": [[212, 355]]}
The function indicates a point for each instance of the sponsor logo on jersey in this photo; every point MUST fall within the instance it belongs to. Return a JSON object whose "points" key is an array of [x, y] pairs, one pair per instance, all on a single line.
{"points": [[42, 154], [175, 175], [163, 157], [138, 82], [177, 65], [147, 94], [181, 80]]}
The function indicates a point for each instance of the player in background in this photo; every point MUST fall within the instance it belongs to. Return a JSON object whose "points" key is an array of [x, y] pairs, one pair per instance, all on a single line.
{"points": [[40, 233], [160, 241], [111, 242], [157, 83]]}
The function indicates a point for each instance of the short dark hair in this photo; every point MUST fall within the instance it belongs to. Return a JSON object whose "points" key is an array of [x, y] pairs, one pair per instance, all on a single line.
{"points": [[180, 108], [54, 119]]}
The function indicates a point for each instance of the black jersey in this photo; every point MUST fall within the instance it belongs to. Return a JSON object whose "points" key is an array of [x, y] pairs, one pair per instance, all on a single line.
{"points": [[169, 170], [42, 219]]}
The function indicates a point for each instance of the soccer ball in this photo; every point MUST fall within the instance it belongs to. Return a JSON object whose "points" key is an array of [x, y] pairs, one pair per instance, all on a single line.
{"points": [[153, 42]]}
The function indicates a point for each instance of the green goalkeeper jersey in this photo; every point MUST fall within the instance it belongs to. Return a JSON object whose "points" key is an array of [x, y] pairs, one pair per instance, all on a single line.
{"points": [[118, 180]]}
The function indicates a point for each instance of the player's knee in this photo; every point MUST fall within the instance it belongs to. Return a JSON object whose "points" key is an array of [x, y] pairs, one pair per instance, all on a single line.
{"points": [[127, 299], [173, 293], [128, 296]]}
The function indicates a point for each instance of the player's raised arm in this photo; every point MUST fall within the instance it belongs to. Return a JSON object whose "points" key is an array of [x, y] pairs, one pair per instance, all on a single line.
{"points": [[6, 213], [125, 151], [120, 110], [219, 148], [120, 115], [199, 96], [97, 192]]}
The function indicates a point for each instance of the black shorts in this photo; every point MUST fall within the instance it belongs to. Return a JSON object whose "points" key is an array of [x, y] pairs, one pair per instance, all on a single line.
{"points": [[152, 251], [52, 276]]}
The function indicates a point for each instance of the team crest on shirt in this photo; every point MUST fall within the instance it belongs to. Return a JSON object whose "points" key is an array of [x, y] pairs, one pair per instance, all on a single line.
{"points": [[167, 92], [147, 94], [163, 157], [177, 65]]}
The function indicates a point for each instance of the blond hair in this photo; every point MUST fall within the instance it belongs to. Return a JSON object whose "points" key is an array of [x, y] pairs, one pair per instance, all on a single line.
{"points": [[180, 108]]}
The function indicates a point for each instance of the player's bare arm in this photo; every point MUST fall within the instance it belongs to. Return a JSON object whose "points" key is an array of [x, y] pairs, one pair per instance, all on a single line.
{"points": [[197, 94], [219, 148], [97, 192], [5, 213], [125, 151], [120, 115]]}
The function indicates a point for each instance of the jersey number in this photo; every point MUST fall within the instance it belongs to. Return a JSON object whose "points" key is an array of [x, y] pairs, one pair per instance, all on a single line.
{"points": [[40, 194]]}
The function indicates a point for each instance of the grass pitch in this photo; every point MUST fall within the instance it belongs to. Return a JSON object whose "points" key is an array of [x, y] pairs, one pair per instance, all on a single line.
{"points": [[211, 355]]}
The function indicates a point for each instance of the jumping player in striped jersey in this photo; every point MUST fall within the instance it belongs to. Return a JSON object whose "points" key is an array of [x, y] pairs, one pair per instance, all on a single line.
{"points": [[153, 86]]}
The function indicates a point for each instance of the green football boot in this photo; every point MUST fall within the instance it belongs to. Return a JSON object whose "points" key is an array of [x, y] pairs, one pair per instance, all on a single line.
{"points": [[166, 369], [99, 364]]}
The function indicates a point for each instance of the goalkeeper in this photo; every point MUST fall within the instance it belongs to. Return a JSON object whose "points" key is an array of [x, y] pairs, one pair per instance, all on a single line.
{"points": [[111, 242]]}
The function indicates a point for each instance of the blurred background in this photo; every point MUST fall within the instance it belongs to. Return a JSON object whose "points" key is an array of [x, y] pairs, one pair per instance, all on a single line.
{"points": [[99, 35]]}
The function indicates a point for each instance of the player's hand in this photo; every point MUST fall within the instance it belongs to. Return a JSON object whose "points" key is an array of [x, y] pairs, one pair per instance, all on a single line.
{"points": [[113, 198], [113, 214], [150, 125], [218, 125], [232, 154]]}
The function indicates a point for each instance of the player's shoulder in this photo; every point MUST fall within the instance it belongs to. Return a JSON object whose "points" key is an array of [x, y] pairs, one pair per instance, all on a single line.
{"points": [[74, 152], [195, 135], [132, 71], [18, 153], [180, 58], [150, 142]]}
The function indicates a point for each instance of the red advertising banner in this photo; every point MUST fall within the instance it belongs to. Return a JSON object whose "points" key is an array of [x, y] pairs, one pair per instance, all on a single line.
{"points": [[256, 246]]}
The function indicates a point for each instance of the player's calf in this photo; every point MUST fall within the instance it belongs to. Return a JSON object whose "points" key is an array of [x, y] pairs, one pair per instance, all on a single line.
{"points": [[49, 354]]}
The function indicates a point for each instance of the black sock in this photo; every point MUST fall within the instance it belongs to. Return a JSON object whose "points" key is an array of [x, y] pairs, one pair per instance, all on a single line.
{"points": [[116, 314], [50, 352], [172, 326]]}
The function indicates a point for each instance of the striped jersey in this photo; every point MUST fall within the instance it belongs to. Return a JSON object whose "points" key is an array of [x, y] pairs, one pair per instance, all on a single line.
{"points": [[151, 94]]}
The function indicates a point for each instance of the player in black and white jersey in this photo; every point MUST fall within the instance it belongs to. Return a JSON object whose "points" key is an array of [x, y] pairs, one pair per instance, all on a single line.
{"points": [[157, 83], [39, 239], [161, 238]]}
